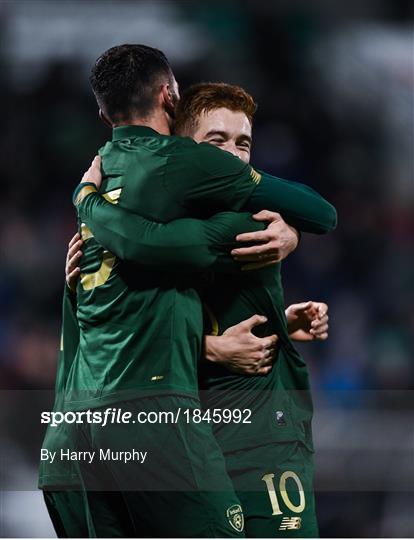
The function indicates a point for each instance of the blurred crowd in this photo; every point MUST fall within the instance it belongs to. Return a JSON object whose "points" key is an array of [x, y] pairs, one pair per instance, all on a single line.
{"points": [[333, 113]]}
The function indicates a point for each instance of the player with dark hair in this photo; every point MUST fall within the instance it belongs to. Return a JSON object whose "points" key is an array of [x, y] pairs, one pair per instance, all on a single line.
{"points": [[222, 115], [188, 180], [125, 79]]}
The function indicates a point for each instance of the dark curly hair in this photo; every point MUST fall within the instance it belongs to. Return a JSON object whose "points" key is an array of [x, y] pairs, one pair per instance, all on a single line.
{"points": [[125, 79]]}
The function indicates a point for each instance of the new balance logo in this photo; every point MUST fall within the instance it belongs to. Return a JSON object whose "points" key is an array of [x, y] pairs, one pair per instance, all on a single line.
{"points": [[290, 523]]}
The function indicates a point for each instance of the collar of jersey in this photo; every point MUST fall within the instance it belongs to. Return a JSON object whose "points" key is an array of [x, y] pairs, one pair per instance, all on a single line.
{"points": [[130, 132]]}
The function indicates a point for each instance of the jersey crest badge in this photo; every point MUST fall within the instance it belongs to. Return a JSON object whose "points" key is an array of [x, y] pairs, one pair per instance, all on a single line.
{"points": [[235, 517]]}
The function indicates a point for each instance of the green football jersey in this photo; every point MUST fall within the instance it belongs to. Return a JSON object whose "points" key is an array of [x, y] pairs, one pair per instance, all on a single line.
{"points": [[229, 299], [183, 243], [141, 329], [62, 473], [280, 402]]}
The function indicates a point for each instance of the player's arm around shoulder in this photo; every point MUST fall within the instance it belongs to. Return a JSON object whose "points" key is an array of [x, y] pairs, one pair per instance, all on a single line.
{"points": [[207, 180], [299, 204], [184, 243]]}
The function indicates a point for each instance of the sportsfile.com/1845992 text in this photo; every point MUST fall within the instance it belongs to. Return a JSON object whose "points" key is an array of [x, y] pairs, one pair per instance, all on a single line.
{"points": [[112, 415]]}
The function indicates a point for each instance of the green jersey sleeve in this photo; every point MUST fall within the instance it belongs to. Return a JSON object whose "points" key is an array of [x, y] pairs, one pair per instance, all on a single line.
{"points": [[186, 243], [300, 205], [220, 181], [210, 179]]}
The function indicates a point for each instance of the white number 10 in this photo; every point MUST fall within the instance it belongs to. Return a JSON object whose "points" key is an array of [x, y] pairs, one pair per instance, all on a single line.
{"points": [[268, 479]]}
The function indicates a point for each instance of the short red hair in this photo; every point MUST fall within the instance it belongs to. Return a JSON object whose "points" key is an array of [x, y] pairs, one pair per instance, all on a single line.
{"points": [[205, 97]]}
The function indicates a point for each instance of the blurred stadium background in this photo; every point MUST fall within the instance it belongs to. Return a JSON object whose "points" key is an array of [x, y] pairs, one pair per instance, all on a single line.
{"points": [[334, 83]]}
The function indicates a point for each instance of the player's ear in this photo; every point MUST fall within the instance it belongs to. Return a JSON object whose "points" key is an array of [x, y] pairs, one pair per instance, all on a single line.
{"points": [[104, 118], [169, 99], [166, 94]]}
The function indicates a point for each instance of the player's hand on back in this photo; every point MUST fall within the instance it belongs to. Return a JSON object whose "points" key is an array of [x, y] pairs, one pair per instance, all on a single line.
{"points": [[270, 246], [73, 256], [308, 321], [240, 351], [93, 174]]}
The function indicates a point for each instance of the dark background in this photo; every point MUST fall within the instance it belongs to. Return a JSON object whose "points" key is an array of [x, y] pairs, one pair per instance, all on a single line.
{"points": [[334, 83]]}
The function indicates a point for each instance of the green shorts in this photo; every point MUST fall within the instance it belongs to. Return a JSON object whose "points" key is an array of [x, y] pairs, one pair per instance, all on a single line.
{"points": [[181, 489], [274, 483]]}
